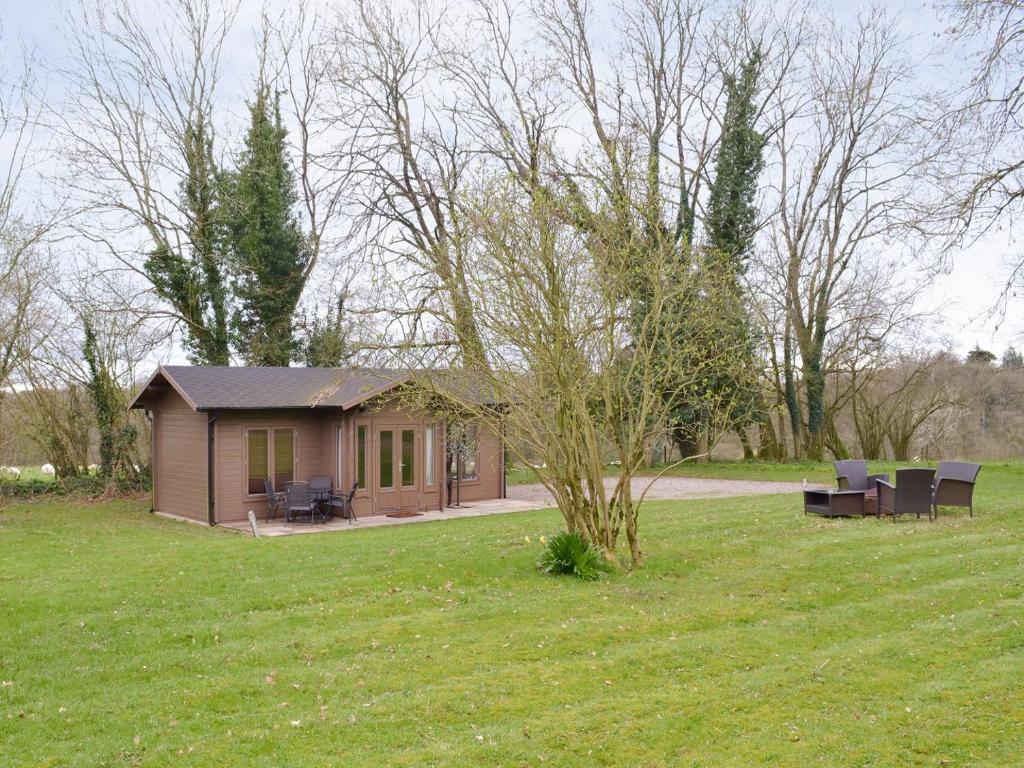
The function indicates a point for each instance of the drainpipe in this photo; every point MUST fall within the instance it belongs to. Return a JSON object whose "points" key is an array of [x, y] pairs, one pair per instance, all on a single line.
{"points": [[504, 463], [211, 513], [152, 461]]}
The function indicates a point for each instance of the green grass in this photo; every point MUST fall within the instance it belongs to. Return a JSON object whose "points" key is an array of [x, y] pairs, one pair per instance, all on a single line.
{"points": [[753, 636]]}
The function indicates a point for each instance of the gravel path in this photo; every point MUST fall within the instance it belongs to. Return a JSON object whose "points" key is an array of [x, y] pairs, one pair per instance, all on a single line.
{"points": [[671, 488]]}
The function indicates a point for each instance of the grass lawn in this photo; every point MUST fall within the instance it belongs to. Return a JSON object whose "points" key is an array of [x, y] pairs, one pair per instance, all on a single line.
{"points": [[753, 636]]}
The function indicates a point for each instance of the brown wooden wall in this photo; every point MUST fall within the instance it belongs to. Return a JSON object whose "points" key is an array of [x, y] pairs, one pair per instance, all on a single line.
{"points": [[179, 461], [232, 500], [491, 469]]}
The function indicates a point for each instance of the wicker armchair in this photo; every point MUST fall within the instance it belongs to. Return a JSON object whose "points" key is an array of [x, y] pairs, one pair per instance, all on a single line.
{"points": [[852, 475], [954, 485], [912, 494]]}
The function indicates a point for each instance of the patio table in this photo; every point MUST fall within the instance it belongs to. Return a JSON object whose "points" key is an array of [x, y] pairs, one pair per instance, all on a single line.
{"points": [[829, 502]]}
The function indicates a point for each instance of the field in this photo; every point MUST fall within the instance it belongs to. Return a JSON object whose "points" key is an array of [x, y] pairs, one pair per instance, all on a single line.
{"points": [[753, 636]]}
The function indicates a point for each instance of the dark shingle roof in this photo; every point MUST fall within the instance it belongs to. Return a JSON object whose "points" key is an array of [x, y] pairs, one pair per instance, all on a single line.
{"points": [[230, 387]]}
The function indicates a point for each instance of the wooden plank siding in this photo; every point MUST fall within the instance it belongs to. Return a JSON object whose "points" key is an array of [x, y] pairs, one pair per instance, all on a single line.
{"points": [[491, 470], [233, 502], [179, 460]]}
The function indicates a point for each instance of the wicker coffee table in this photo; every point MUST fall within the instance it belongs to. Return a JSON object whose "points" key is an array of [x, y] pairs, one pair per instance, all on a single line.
{"points": [[832, 503]]}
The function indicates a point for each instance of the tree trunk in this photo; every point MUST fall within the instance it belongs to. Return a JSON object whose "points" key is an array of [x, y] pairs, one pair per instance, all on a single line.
{"points": [[684, 443], [792, 399], [748, 448], [835, 442], [772, 448]]}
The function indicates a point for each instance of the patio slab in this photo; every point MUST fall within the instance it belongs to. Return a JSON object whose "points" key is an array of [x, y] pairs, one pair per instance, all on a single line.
{"points": [[473, 509]]}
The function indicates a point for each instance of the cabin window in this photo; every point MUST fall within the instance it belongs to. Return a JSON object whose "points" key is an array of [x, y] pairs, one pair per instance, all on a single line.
{"points": [[269, 453], [259, 460], [408, 458], [361, 457], [387, 459], [284, 457], [428, 453]]}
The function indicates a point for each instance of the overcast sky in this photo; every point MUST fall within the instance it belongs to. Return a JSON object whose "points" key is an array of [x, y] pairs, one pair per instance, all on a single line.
{"points": [[964, 294]]}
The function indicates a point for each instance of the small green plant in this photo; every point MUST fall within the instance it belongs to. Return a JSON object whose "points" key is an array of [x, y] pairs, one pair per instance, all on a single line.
{"points": [[568, 554]]}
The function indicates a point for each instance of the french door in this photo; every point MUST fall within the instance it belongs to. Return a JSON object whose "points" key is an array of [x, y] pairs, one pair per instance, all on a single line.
{"points": [[397, 467]]}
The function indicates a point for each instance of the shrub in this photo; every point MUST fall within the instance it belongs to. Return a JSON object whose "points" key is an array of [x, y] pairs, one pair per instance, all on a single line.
{"points": [[568, 554], [77, 485]]}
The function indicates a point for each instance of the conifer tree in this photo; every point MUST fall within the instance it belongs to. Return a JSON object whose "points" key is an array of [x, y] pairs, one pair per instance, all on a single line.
{"points": [[269, 254]]}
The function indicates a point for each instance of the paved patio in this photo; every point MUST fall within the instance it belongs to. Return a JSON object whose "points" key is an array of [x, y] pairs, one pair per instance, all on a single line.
{"points": [[523, 498], [475, 509]]}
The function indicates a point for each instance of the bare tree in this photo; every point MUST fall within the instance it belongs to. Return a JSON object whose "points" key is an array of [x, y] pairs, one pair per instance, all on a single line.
{"points": [[83, 345], [406, 161], [138, 132], [987, 186], [850, 163], [25, 223], [571, 376]]}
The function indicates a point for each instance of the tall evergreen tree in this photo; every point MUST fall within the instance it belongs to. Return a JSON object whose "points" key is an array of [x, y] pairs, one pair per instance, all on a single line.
{"points": [[980, 356], [731, 225], [324, 341], [192, 278], [269, 254], [732, 212]]}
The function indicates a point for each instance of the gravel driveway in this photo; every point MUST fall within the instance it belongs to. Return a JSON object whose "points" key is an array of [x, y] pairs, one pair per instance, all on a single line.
{"points": [[671, 488]]}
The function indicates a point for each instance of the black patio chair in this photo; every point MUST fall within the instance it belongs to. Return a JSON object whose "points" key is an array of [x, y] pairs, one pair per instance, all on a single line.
{"points": [[344, 504], [912, 494], [298, 501], [852, 475], [275, 499], [954, 485]]}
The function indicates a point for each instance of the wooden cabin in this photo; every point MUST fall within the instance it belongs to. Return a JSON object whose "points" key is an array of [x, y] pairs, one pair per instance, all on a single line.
{"points": [[218, 432]]}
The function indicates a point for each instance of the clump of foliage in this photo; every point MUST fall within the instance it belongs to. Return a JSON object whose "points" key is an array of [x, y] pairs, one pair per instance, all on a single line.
{"points": [[79, 485], [568, 554]]}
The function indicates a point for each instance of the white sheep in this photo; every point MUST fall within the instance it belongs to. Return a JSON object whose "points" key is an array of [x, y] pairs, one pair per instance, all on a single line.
{"points": [[10, 472], [93, 468], [48, 470]]}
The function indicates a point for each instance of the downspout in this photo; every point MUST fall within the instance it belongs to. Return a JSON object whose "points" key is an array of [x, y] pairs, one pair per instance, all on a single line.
{"points": [[443, 495], [211, 512], [504, 463], [152, 460]]}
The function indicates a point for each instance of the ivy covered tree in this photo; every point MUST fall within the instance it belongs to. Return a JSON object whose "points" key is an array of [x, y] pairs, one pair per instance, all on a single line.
{"points": [[730, 225], [117, 434], [732, 209], [269, 256], [191, 277]]}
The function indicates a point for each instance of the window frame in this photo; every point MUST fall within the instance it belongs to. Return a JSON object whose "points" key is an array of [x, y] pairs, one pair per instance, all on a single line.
{"points": [[363, 488], [271, 430], [429, 473]]}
